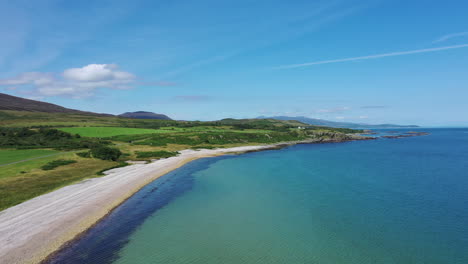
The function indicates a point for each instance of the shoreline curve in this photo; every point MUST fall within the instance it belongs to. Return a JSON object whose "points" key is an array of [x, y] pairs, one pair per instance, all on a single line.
{"points": [[33, 231]]}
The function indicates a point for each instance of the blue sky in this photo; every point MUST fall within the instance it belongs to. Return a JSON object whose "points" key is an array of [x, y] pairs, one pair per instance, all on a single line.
{"points": [[362, 61]]}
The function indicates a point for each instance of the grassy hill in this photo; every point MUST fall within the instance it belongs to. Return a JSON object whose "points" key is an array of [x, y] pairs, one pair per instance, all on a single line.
{"points": [[144, 115], [10, 102], [10, 118]]}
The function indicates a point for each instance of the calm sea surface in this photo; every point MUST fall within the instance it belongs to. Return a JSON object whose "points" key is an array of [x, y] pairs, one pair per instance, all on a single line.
{"points": [[382, 201]]}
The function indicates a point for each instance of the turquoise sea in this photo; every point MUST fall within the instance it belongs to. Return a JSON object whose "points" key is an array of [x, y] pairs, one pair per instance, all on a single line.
{"points": [[381, 201]]}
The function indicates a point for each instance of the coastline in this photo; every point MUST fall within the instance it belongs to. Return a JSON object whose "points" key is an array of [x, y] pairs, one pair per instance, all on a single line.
{"points": [[34, 230]]}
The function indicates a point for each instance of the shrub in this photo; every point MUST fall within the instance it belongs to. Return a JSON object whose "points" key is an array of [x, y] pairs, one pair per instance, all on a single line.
{"points": [[156, 154], [84, 154], [106, 153], [120, 165], [205, 147], [26, 138], [56, 163]]}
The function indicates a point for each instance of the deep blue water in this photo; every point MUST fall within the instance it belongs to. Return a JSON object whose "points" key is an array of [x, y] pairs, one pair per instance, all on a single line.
{"points": [[382, 201]]}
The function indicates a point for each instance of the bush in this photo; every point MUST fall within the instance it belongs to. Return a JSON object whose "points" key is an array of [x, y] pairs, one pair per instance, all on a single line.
{"points": [[84, 154], [205, 147], [120, 165], [25, 138], [156, 154], [106, 153], [56, 163], [125, 155]]}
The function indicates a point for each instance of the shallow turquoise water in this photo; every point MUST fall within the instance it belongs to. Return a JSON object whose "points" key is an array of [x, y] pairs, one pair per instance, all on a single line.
{"points": [[383, 201]]}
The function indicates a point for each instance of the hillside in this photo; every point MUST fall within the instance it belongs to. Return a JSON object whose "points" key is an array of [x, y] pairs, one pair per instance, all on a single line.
{"points": [[145, 115], [10, 102], [321, 122]]}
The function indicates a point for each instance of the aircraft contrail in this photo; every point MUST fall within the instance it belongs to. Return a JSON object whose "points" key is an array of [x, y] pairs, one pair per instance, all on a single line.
{"points": [[392, 54]]}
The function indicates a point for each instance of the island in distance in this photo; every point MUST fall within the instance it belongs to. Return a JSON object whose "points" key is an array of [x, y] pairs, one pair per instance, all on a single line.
{"points": [[322, 122]]}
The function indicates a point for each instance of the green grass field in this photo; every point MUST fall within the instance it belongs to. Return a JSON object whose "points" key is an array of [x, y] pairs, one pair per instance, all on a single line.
{"points": [[13, 155], [102, 132], [19, 169], [32, 181]]}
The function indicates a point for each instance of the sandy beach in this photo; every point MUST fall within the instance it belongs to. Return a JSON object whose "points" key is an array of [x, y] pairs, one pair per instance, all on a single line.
{"points": [[33, 230]]}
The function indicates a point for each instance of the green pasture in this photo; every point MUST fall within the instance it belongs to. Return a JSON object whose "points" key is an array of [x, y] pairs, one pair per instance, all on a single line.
{"points": [[19, 169], [13, 155], [23, 181], [103, 132]]}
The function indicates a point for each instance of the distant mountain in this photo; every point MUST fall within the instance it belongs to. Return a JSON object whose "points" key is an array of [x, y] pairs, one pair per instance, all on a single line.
{"points": [[321, 122], [145, 115], [10, 102], [258, 122]]}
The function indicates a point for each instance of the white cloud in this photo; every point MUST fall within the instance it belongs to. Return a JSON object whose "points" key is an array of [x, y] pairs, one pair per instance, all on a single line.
{"points": [[340, 117], [363, 117], [97, 73], [74, 82]]}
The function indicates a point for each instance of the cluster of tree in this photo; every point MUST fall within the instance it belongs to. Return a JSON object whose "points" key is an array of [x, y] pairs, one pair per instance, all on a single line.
{"points": [[236, 123], [156, 154], [57, 163], [101, 152], [221, 138], [45, 138], [106, 153], [210, 139], [336, 129]]}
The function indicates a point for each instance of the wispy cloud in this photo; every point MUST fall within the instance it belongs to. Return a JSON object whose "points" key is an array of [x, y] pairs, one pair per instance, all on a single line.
{"points": [[253, 33], [74, 82], [377, 56], [195, 65], [451, 36], [374, 106], [334, 110], [31, 44]]}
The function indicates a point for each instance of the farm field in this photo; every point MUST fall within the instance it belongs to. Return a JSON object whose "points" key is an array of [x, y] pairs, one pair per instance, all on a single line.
{"points": [[21, 168], [13, 155], [103, 132]]}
